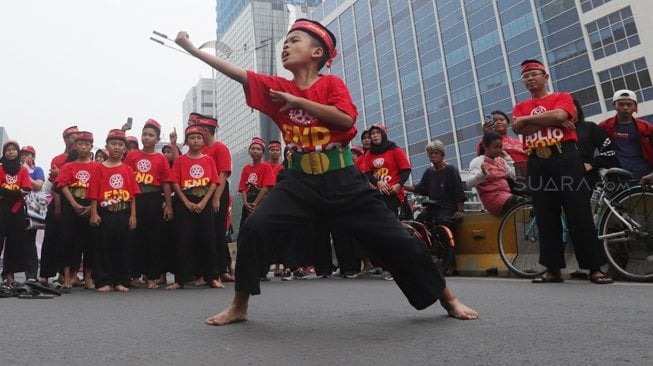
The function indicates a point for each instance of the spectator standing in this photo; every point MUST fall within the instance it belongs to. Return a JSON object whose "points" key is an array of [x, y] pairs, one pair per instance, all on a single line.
{"points": [[37, 177], [555, 173]]}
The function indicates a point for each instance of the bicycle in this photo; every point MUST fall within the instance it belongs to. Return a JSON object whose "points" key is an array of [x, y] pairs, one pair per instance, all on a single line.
{"points": [[437, 236], [623, 215]]}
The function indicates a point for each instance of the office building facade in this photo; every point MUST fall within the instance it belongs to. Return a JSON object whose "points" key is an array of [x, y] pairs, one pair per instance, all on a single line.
{"points": [[434, 68]]}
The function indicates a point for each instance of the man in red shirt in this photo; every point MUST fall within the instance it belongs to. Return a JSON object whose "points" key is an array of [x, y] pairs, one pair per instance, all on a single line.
{"points": [[555, 176]]}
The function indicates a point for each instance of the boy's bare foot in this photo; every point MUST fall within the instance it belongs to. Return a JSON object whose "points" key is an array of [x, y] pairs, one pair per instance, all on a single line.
{"points": [[162, 280], [455, 308], [217, 284], [121, 288], [174, 286], [105, 288], [231, 314], [228, 277], [136, 282], [90, 286], [152, 284], [200, 282]]}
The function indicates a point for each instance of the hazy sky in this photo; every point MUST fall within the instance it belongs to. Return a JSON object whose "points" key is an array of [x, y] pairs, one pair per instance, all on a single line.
{"points": [[91, 63]]}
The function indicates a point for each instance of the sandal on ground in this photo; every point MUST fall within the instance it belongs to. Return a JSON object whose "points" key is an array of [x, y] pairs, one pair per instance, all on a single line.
{"points": [[551, 278], [6, 291], [601, 279]]}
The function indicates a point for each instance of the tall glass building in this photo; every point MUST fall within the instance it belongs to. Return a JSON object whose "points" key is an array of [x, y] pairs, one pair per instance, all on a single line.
{"points": [[434, 68]]}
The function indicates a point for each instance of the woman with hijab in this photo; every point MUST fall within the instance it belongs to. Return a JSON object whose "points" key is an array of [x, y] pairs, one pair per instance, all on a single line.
{"points": [[14, 184]]}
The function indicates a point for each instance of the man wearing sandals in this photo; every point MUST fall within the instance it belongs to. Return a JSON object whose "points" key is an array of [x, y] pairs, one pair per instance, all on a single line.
{"points": [[555, 176]]}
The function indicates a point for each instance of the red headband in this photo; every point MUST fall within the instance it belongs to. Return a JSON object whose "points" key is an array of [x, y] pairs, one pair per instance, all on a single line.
{"points": [[84, 136], [153, 124], [194, 130], [70, 130], [117, 134], [29, 149], [274, 144], [258, 141], [320, 32], [380, 127], [532, 66]]}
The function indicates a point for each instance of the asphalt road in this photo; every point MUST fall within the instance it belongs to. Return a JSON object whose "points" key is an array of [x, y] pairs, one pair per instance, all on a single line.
{"points": [[336, 322]]}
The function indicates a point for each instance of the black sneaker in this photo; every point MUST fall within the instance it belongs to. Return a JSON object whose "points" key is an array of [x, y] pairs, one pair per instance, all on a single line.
{"points": [[349, 274], [287, 276]]}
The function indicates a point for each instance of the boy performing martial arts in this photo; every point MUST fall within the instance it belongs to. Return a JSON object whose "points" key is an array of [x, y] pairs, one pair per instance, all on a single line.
{"points": [[316, 116]]}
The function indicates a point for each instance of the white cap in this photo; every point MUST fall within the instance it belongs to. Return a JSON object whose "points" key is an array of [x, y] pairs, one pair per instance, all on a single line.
{"points": [[624, 94]]}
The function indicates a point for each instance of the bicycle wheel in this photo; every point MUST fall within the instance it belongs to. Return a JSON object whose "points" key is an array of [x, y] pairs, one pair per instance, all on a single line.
{"points": [[442, 252], [630, 252], [519, 244]]}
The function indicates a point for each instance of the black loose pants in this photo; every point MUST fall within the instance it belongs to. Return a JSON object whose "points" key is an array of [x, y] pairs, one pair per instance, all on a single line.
{"points": [[339, 198], [555, 183]]}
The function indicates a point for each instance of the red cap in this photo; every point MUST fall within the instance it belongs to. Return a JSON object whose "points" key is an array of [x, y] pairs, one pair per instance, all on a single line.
{"points": [[358, 149], [274, 144], [132, 139], [202, 120], [320, 32], [529, 65], [29, 149], [153, 124], [116, 134], [380, 127], [83, 136], [258, 141], [70, 130], [194, 130], [10, 142]]}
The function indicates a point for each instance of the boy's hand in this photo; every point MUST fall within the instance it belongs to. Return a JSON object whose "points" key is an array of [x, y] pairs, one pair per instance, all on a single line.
{"points": [[167, 213], [291, 101], [183, 40], [132, 222], [173, 136], [95, 219]]}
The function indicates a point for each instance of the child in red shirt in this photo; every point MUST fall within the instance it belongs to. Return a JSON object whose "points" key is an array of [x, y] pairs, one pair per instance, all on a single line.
{"points": [[112, 191], [76, 236], [154, 205], [194, 178], [256, 179], [316, 116], [14, 184]]}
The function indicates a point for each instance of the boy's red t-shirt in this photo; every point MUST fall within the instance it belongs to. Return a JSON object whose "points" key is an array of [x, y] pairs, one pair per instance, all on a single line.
{"points": [[75, 174], [301, 131], [549, 135], [276, 168], [387, 166], [149, 169], [112, 185], [58, 161], [221, 155], [259, 175], [15, 182], [190, 173]]}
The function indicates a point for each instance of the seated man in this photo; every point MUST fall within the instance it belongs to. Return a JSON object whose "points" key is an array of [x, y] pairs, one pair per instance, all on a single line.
{"points": [[440, 183]]}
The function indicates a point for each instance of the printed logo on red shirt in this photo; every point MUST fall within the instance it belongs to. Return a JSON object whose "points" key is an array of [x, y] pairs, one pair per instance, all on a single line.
{"points": [[83, 176], [252, 179], [11, 179], [622, 135], [116, 181], [196, 171], [143, 165], [378, 163], [299, 117]]}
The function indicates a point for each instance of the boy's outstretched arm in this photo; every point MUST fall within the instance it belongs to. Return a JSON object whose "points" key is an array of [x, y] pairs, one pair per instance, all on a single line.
{"points": [[221, 65]]}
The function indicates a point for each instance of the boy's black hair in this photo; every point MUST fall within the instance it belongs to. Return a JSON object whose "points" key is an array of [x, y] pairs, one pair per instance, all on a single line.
{"points": [[491, 136], [579, 111], [210, 129], [317, 41]]}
